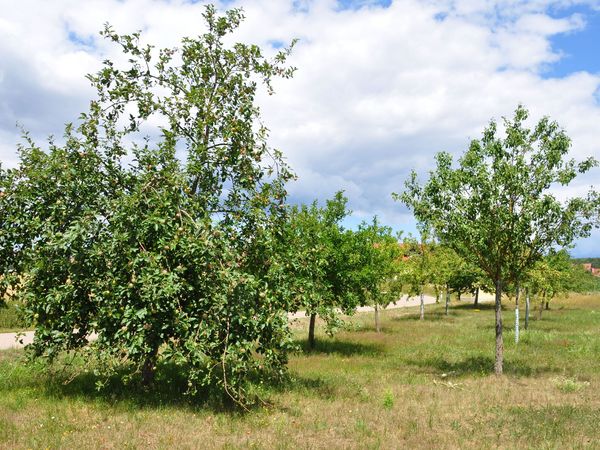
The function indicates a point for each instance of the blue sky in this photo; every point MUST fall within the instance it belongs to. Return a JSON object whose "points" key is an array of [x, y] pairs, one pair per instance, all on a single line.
{"points": [[580, 48], [381, 85]]}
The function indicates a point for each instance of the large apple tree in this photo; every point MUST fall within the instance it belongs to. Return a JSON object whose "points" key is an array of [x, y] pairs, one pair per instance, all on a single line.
{"points": [[152, 224]]}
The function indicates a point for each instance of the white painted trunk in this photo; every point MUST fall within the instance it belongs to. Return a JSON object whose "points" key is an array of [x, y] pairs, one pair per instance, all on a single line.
{"points": [[517, 317], [527, 309]]}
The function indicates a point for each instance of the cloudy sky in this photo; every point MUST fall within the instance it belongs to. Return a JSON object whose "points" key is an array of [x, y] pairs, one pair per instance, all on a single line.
{"points": [[381, 86]]}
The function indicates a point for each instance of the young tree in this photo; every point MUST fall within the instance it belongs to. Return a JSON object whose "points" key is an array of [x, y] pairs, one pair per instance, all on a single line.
{"points": [[443, 262], [554, 275], [496, 207], [322, 259], [453, 273], [378, 271], [416, 271], [464, 278], [167, 257]]}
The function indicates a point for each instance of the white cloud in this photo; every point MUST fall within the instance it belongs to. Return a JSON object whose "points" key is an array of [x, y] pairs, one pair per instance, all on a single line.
{"points": [[378, 90]]}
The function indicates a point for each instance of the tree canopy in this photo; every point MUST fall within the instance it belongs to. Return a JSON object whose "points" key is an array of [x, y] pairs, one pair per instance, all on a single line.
{"points": [[496, 207], [324, 260], [379, 267], [160, 241]]}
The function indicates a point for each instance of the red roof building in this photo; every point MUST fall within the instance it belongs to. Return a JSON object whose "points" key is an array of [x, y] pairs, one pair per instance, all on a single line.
{"points": [[593, 270]]}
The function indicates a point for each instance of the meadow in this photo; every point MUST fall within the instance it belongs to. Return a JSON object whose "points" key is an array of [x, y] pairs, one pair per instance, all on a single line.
{"points": [[418, 384]]}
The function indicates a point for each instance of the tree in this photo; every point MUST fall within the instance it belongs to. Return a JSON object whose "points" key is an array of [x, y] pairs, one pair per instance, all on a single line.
{"points": [[417, 270], [583, 281], [322, 259], [556, 275], [549, 277], [170, 256], [451, 273], [378, 270], [444, 260], [464, 278], [5, 241], [496, 207]]}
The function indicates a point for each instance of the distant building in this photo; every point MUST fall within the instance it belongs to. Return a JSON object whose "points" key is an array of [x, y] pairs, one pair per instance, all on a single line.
{"points": [[593, 270]]}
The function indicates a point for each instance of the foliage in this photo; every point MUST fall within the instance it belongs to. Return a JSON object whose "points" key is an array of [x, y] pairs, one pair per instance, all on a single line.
{"points": [[594, 261], [551, 276], [163, 245], [323, 259], [451, 273], [380, 259], [495, 209], [583, 281], [444, 261], [416, 269], [556, 275], [465, 277]]}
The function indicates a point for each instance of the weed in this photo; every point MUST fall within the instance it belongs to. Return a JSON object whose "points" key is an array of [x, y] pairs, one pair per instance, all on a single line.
{"points": [[566, 384], [388, 400]]}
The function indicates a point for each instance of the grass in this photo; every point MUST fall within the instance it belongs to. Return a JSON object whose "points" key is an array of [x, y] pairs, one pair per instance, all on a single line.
{"points": [[418, 384]]}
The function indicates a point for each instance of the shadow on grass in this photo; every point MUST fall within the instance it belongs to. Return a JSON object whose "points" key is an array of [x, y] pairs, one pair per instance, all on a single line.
{"points": [[343, 348], [307, 386], [471, 307], [431, 316], [170, 387], [477, 365]]}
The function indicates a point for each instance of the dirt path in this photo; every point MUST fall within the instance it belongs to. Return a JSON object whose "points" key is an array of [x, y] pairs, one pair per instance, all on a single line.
{"points": [[403, 302], [9, 340]]}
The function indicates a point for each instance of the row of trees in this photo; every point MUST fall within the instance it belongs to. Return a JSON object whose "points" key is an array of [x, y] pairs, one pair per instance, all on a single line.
{"points": [[495, 208], [176, 244]]}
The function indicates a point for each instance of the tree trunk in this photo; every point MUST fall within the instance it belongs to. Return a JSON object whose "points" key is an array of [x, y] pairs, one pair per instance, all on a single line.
{"points": [[517, 316], [476, 302], [148, 369], [547, 305], [377, 327], [499, 342], [541, 306], [447, 301], [458, 296], [527, 309], [422, 306], [437, 296], [311, 331]]}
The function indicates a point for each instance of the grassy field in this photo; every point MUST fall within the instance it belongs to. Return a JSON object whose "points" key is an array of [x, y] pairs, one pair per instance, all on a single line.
{"points": [[419, 384]]}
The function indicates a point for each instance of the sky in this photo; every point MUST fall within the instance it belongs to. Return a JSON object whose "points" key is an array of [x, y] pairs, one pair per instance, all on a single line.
{"points": [[381, 85]]}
